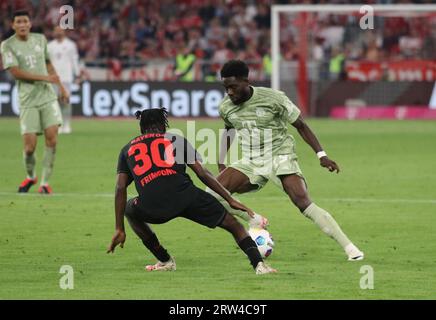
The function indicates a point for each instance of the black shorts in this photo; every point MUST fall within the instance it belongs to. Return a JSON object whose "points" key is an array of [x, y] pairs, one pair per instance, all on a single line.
{"points": [[204, 209]]}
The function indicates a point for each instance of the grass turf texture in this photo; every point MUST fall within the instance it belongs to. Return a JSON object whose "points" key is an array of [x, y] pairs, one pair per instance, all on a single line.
{"points": [[384, 199]]}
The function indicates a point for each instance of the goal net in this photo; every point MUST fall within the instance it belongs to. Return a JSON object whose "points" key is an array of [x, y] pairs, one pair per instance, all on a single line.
{"points": [[315, 45]]}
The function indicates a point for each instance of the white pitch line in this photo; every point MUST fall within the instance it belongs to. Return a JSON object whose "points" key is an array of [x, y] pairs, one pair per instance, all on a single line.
{"points": [[111, 195]]}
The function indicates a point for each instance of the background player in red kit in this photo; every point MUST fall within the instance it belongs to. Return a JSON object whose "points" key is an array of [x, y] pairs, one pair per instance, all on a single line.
{"points": [[156, 161]]}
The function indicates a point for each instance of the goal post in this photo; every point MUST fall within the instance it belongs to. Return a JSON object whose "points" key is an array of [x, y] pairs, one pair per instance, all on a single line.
{"points": [[302, 86]]}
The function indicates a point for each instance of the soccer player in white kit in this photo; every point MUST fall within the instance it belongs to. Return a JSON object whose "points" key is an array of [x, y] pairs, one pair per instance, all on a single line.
{"points": [[65, 58]]}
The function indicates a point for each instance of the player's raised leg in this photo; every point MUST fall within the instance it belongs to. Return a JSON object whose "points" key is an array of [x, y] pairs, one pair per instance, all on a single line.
{"points": [[150, 240], [237, 182], [30, 140], [295, 187], [246, 244]]}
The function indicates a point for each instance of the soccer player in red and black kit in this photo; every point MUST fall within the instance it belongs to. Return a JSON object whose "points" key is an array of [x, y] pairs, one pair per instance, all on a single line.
{"points": [[156, 161]]}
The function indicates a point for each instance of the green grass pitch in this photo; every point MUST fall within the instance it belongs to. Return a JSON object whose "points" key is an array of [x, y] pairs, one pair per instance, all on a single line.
{"points": [[384, 199]]}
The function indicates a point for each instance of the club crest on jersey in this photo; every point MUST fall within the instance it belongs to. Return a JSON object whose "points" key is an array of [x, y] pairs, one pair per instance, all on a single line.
{"points": [[260, 112]]}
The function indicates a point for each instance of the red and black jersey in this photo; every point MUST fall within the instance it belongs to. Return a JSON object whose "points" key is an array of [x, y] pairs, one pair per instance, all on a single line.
{"points": [[157, 164]]}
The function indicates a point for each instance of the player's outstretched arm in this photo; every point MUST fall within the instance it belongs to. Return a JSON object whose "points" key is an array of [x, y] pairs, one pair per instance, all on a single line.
{"points": [[20, 74], [209, 180], [120, 205], [307, 134]]}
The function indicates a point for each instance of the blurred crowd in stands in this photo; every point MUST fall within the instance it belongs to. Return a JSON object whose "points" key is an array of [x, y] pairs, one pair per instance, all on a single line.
{"points": [[217, 30]]}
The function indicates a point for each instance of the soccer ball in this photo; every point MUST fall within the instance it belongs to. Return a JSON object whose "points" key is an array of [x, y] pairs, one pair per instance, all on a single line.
{"points": [[264, 241]]}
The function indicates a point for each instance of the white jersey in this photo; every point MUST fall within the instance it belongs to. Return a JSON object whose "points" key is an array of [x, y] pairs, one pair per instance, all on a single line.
{"points": [[65, 59]]}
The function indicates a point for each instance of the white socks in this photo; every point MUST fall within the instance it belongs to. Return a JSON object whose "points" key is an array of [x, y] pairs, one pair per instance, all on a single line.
{"points": [[327, 224]]}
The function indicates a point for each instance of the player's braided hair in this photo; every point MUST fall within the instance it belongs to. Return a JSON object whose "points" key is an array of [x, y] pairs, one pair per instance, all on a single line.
{"points": [[153, 120], [234, 68]]}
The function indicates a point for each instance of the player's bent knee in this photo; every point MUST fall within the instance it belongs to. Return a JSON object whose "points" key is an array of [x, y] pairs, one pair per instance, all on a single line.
{"points": [[130, 215], [301, 201], [128, 212], [29, 151], [51, 143], [29, 148], [231, 224], [229, 221]]}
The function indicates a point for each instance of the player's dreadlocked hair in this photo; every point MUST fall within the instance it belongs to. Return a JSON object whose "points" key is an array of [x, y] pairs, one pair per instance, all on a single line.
{"points": [[234, 68], [153, 120]]}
